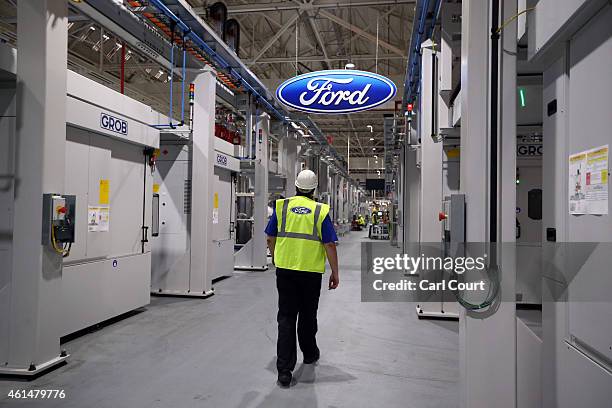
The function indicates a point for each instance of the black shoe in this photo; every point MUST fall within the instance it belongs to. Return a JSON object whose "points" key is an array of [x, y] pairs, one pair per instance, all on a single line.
{"points": [[311, 360], [284, 378]]}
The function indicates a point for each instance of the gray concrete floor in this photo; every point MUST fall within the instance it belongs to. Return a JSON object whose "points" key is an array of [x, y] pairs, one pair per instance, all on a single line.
{"points": [[220, 352]]}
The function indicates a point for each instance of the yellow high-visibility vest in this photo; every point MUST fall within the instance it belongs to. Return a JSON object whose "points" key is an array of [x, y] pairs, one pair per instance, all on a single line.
{"points": [[298, 242]]}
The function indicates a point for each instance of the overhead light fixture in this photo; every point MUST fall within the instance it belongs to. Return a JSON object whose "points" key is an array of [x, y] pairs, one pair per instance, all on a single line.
{"points": [[371, 139], [349, 65], [374, 149]]}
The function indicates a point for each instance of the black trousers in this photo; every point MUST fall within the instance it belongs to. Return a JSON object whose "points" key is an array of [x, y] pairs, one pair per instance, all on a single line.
{"points": [[298, 301]]}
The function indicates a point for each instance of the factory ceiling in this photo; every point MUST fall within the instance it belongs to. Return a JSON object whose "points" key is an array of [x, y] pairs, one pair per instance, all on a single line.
{"points": [[279, 39], [373, 35]]}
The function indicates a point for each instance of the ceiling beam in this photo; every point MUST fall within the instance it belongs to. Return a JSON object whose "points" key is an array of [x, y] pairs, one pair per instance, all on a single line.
{"points": [[317, 34], [353, 129], [276, 36], [319, 58], [321, 4], [361, 32]]}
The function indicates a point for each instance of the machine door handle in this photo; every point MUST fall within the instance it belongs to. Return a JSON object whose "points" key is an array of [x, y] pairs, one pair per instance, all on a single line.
{"points": [[145, 234]]}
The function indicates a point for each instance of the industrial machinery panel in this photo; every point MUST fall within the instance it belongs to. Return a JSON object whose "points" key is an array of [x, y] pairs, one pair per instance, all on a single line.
{"points": [[7, 143], [170, 259], [529, 176], [77, 167], [174, 199], [100, 162], [99, 290], [95, 107], [590, 57], [106, 175], [108, 270], [581, 380], [128, 175], [223, 224]]}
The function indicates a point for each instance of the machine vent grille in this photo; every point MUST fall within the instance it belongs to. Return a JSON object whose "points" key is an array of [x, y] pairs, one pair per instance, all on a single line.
{"points": [[187, 197]]}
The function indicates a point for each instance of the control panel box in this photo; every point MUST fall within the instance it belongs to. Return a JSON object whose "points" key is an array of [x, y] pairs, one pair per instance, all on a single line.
{"points": [[59, 212]]}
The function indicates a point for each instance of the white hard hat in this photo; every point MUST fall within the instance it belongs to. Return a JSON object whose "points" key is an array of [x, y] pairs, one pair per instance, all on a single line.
{"points": [[306, 180]]}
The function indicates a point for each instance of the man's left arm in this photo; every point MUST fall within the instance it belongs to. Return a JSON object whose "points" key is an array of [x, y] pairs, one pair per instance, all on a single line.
{"points": [[271, 244]]}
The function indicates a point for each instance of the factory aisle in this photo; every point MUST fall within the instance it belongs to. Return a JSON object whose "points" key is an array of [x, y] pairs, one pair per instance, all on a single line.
{"points": [[220, 352]]}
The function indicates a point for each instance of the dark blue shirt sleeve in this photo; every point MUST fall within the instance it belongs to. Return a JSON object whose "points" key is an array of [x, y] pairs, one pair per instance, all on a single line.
{"points": [[272, 227], [328, 233]]}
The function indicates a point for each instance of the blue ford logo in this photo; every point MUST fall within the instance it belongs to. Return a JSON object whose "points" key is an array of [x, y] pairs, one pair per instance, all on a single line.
{"points": [[336, 91], [301, 210]]}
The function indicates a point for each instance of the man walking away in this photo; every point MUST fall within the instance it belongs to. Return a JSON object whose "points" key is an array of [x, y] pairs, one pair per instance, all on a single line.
{"points": [[301, 237]]}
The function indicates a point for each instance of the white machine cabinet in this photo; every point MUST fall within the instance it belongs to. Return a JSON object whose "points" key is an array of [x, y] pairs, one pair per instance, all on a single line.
{"points": [[108, 270], [172, 245], [224, 209]]}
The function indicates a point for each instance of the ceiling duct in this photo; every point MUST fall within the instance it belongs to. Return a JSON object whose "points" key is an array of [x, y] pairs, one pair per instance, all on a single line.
{"points": [[231, 35], [217, 15]]}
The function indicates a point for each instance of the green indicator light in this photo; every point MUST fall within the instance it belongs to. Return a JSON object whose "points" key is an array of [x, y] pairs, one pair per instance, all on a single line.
{"points": [[522, 95]]}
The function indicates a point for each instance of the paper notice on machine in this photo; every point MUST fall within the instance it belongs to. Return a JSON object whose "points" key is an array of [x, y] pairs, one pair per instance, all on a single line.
{"points": [[98, 219], [588, 181]]}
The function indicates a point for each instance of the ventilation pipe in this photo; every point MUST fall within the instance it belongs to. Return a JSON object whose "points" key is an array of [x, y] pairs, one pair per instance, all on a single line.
{"points": [[217, 15], [231, 35]]}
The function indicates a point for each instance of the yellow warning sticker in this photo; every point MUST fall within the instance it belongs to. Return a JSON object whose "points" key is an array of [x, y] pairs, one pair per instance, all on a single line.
{"points": [[104, 191], [216, 201], [155, 188], [453, 153]]}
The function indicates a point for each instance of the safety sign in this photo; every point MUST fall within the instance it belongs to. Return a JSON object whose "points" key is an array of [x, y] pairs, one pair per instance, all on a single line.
{"points": [[98, 219], [588, 181]]}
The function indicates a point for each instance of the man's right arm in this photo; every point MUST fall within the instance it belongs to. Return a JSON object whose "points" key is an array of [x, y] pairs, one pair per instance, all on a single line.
{"points": [[271, 232], [329, 239]]}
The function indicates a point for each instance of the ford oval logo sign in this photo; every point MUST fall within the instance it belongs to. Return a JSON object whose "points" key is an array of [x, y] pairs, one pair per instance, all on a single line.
{"points": [[336, 91], [301, 210]]}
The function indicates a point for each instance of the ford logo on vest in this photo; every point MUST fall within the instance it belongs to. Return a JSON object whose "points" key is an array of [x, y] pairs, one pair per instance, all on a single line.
{"points": [[301, 210], [336, 91]]}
